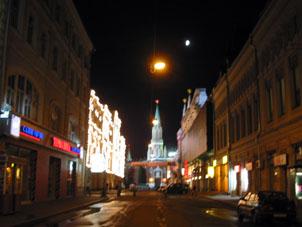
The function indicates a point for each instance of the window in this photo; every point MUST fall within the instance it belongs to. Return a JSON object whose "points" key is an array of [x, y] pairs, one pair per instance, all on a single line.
{"points": [[249, 118], [58, 14], [30, 30], [64, 70], [243, 127], [269, 101], [23, 96], [255, 112], [78, 84], [224, 134], [218, 137], [55, 118], [232, 128], [72, 130], [281, 93], [43, 44], [295, 80], [14, 13], [237, 126], [55, 59], [71, 85]]}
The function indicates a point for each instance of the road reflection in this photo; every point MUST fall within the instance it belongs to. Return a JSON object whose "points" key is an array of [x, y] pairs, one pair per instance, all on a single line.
{"points": [[222, 213], [106, 215]]}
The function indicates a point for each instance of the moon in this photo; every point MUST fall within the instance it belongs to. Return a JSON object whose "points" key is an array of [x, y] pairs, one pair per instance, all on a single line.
{"points": [[187, 43]]}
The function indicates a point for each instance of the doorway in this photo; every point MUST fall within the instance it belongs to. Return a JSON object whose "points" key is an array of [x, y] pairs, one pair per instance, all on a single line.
{"points": [[54, 178]]}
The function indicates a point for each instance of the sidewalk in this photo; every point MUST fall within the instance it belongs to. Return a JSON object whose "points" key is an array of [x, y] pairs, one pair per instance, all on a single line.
{"points": [[34, 213]]}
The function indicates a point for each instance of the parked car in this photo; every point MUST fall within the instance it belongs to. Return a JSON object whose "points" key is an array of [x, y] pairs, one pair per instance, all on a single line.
{"points": [[176, 188], [266, 205]]}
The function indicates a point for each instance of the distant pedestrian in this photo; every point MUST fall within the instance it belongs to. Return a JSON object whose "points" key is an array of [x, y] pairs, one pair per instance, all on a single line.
{"points": [[119, 189], [88, 188], [194, 191], [134, 190]]}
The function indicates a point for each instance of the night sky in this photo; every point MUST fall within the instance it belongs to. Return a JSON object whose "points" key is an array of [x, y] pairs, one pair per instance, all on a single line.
{"points": [[125, 35]]}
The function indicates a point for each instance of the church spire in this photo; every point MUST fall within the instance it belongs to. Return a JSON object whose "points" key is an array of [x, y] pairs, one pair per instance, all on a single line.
{"points": [[184, 109], [157, 117], [189, 98]]}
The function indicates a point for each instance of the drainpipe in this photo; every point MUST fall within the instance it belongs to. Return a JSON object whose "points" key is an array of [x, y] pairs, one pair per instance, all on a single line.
{"points": [[229, 145], [258, 112], [3, 68]]}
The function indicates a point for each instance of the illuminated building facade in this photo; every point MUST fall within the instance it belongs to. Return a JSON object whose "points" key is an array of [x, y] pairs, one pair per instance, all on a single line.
{"points": [[258, 108], [106, 146], [44, 101], [197, 141]]}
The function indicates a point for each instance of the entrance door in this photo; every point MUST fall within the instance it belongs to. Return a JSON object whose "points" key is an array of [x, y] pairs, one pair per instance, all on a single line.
{"points": [[54, 178], [71, 178]]}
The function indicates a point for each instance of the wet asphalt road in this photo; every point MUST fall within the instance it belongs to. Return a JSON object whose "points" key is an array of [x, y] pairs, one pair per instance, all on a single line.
{"points": [[151, 209]]}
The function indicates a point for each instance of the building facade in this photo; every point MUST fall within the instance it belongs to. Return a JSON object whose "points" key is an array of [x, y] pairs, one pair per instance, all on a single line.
{"points": [[106, 146], [44, 101], [197, 142], [258, 108]]}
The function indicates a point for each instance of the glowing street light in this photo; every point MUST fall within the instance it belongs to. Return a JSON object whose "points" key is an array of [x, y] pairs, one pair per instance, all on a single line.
{"points": [[157, 66]]}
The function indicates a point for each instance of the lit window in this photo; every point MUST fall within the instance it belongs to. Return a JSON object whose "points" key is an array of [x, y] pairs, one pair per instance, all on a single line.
{"points": [[23, 96]]}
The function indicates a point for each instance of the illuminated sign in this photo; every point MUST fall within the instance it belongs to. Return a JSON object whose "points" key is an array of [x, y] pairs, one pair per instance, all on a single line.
{"points": [[211, 171], [186, 170], [225, 159], [214, 162], [237, 168], [15, 126], [65, 146], [31, 133]]}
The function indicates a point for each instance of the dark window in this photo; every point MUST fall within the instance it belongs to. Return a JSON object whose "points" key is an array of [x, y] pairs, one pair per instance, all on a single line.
{"points": [[43, 44], [30, 30], [255, 113], [58, 13], [269, 97], [237, 126], [249, 118], [232, 128], [71, 85], [224, 134], [281, 94], [55, 59], [64, 70], [243, 127], [78, 87], [14, 15], [295, 80]]}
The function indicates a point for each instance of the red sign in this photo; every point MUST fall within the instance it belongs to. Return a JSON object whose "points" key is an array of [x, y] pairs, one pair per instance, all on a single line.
{"points": [[186, 170], [61, 144], [237, 168]]}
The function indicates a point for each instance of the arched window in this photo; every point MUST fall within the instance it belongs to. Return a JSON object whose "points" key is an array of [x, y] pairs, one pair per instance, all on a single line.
{"points": [[72, 130], [55, 118], [22, 96]]}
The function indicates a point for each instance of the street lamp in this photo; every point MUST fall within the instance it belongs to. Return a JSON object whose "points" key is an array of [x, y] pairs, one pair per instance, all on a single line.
{"points": [[157, 66]]}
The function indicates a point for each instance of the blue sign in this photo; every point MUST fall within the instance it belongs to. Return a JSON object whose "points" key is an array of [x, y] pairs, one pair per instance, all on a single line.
{"points": [[32, 132], [76, 150]]}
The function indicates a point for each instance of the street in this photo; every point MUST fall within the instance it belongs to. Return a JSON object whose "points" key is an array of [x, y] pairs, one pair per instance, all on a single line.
{"points": [[151, 208]]}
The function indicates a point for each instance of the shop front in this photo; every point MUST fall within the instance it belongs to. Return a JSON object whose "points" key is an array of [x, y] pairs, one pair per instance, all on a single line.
{"points": [[35, 165]]}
